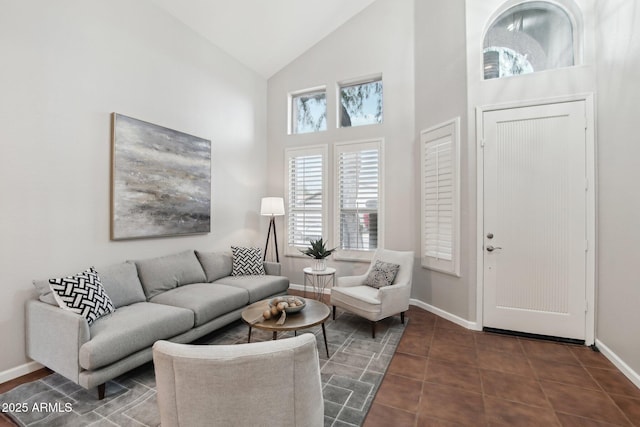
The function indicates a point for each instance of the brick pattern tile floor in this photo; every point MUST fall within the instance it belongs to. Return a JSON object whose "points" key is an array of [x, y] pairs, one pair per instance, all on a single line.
{"points": [[445, 375]]}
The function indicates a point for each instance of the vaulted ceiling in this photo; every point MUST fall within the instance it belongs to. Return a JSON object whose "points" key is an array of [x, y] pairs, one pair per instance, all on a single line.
{"points": [[264, 35]]}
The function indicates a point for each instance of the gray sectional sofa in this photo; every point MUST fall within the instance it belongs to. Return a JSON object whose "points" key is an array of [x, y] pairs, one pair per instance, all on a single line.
{"points": [[178, 298]]}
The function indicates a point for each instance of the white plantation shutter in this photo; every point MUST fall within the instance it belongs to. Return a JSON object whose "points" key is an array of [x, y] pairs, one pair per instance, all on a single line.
{"points": [[305, 196], [358, 201], [440, 197]]}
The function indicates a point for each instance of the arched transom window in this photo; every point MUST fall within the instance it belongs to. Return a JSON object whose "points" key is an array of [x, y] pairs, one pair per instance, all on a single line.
{"points": [[529, 37]]}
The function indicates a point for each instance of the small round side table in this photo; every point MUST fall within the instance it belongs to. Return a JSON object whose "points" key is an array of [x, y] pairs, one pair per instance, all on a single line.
{"points": [[319, 279]]}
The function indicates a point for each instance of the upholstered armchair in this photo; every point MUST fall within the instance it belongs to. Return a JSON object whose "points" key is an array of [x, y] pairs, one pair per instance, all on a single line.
{"points": [[263, 383], [354, 294]]}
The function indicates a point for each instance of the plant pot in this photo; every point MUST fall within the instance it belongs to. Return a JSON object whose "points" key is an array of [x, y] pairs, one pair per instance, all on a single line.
{"points": [[319, 264]]}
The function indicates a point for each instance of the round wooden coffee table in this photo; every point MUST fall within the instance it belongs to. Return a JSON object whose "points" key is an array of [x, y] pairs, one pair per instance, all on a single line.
{"points": [[314, 313]]}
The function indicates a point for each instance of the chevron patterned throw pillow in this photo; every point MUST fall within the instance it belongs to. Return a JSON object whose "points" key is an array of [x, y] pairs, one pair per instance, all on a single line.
{"points": [[82, 294], [247, 261]]}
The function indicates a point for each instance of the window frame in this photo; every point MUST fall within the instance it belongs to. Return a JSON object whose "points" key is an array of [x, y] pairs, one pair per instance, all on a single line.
{"points": [[292, 152], [350, 146], [451, 130], [354, 82], [569, 8], [291, 110]]}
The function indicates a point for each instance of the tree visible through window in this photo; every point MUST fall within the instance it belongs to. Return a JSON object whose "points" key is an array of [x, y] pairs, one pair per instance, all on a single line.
{"points": [[529, 37], [361, 103], [309, 112]]}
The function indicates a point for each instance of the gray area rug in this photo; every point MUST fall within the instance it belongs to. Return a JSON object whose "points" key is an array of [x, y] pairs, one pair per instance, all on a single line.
{"points": [[350, 379]]}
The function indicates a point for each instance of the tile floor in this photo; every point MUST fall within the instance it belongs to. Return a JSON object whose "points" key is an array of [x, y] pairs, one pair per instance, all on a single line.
{"points": [[445, 375], [5, 421]]}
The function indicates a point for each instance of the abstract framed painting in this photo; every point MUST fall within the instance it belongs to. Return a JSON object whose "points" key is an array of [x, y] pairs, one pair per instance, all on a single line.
{"points": [[160, 181]]}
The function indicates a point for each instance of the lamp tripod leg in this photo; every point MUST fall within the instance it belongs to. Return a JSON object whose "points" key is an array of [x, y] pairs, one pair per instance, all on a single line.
{"points": [[266, 245], [275, 238], [272, 224]]}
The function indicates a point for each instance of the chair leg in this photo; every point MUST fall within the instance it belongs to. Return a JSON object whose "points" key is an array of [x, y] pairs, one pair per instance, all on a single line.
{"points": [[334, 312], [373, 329], [101, 391], [402, 317]]}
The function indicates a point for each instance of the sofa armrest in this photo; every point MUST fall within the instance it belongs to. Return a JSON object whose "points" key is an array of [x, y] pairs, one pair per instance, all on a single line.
{"points": [[350, 281], [272, 268], [54, 337], [395, 298]]}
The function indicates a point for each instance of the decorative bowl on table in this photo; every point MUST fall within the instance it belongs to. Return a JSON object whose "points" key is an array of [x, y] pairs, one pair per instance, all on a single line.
{"points": [[290, 304]]}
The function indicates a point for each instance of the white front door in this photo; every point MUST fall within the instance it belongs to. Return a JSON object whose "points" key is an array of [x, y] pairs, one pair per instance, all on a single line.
{"points": [[535, 219]]}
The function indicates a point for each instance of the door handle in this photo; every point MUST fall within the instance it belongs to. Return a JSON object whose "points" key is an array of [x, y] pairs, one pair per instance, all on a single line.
{"points": [[492, 248]]}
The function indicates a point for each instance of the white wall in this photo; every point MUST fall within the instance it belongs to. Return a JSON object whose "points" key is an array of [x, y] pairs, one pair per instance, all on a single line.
{"points": [[66, 65], [618, 44], [534, 86], [441, 95], [378, 40]]}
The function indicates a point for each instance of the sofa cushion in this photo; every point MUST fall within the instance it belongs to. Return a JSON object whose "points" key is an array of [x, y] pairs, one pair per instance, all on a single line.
{"points": [[122, 284], [259, 287], [206, 300], [160, 274], [215, 264], [130, 329], [247, 261], [44, 291], [82, 294], [272, 268]]}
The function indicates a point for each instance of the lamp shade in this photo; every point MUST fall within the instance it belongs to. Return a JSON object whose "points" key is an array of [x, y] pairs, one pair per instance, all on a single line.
{"points": [[272, 206]]}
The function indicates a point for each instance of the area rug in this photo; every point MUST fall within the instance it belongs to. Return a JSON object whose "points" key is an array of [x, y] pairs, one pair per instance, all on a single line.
{"points": [[350, 379]]}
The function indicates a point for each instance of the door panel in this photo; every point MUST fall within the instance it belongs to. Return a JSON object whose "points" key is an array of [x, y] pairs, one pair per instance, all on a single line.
{"points": [[535, 211]]}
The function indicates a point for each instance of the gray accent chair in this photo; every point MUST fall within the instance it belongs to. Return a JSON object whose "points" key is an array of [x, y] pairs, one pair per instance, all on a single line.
{"points": [[263, 383], [352, 294]]}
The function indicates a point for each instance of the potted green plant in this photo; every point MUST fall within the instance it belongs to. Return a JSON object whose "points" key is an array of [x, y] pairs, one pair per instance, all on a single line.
{"points": [[319, 252]]}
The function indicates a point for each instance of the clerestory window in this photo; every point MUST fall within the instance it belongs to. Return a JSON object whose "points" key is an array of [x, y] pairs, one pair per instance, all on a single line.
{"points": [[360, 103], [529, 37], [308, 111]]}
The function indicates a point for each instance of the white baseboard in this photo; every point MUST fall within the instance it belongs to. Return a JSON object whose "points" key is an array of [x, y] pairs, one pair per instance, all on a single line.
{"points": [[309, 288], [445, 315], [633, 376], [18, 371], [423, 305]]}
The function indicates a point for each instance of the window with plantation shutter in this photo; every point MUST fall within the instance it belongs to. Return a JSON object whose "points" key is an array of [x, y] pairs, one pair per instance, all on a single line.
{"points": [[440, 197], [305, 196], [358, 220]]}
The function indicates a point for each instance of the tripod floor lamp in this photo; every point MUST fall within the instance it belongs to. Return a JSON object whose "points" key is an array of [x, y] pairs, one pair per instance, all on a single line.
{"points": [[273, 207]]}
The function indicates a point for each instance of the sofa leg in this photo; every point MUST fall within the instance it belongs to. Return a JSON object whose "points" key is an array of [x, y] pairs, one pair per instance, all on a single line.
{"points": [[402, 317], [101, 390], [373, 329], [334, 312]]}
